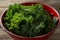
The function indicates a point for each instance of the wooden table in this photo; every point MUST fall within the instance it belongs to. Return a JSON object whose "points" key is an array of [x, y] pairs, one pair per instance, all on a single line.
{"points": [[5, 3]]}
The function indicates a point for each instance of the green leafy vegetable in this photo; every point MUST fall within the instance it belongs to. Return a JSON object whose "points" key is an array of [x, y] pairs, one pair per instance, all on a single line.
{"points": [[29, 21]]}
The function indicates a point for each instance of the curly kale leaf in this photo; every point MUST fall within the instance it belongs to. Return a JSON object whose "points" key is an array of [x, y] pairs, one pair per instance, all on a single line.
{"points": [[29, 21]]}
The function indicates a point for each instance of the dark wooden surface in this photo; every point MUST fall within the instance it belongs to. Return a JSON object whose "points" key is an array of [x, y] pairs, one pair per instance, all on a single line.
{"points": [[5, 3]]}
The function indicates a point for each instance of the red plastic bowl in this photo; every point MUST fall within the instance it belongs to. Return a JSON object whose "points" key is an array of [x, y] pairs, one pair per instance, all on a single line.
{"points": [[50, 9]]}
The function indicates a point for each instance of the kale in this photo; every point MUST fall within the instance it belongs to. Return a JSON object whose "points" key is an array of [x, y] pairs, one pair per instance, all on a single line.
{"points": [[29, 21]]}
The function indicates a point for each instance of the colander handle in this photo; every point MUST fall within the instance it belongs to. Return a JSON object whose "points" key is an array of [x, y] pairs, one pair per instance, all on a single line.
{"points": [[0, 22], [59, 19]]}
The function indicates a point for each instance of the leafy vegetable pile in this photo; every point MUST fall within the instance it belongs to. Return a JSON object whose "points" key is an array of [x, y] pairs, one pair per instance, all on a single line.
{"points": [[29, 21]]}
